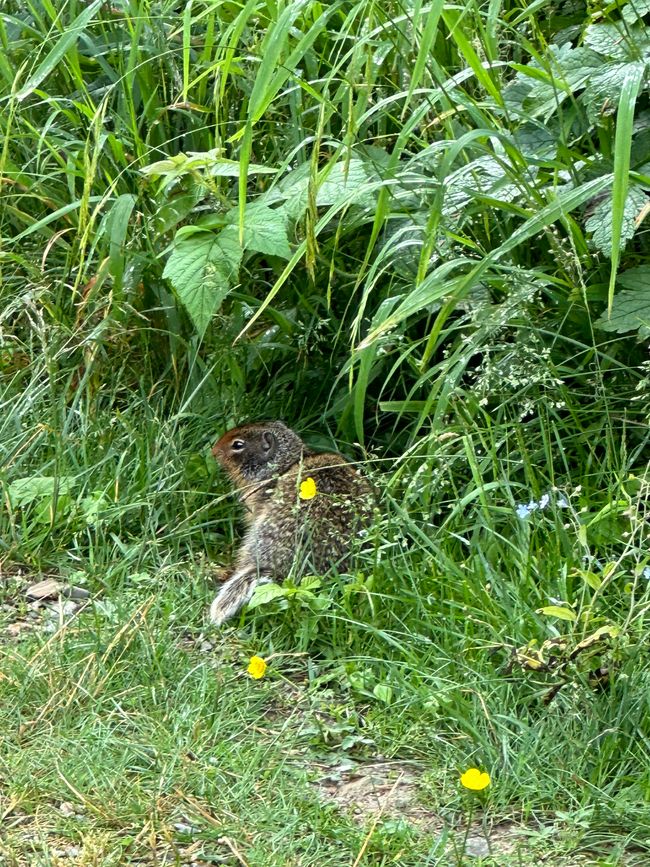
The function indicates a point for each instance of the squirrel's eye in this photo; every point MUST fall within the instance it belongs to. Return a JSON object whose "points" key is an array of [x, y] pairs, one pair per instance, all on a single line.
{"points": [[237, 445]]}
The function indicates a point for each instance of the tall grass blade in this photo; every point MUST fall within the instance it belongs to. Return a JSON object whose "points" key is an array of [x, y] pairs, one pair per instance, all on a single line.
{"points": [[622, 147], [69, 38]]}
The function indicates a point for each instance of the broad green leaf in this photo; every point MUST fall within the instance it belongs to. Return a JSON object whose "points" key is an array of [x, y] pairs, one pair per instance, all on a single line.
{"points": [[600, 221], [440, 282], [176, 207], [346, 178], [637, 279], [616, 40], [569, 70], [24, 492], [265, 593], [311, 582], [484, 176], [558, 611], [210, 163], [535, 140], [202, 269], [354, 180], [631, 307], [635, 9], [265, 229], [604, 87], [594, 581], [92, 506], [383, 692]]}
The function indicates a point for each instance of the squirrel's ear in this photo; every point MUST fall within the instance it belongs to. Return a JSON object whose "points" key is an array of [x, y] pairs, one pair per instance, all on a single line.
{"points": [[269, 443]]}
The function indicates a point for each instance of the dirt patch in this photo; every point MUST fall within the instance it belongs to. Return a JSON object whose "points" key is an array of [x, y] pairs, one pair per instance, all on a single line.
{"points": [[390, 791], [386, 789]]}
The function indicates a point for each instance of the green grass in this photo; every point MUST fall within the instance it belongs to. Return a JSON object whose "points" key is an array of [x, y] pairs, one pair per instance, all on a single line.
{"points": [[415, 232], [123, 714]]}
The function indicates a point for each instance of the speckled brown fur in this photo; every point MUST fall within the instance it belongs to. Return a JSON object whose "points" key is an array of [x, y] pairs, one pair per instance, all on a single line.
{"points": [[267, 463]]}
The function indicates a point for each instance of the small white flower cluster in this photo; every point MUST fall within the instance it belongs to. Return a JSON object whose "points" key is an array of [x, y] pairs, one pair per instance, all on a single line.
{"points": [[524, 510]]}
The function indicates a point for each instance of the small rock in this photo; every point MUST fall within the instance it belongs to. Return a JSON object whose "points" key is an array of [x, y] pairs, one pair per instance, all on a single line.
{"points": [[49, 588], [73, 592], [67, 809], [185, 828], [61, 609], [477, 847], [14, 629]]}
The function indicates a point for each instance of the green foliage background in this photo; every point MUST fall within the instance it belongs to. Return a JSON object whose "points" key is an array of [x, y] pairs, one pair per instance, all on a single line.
{"points": [[416, 230]]}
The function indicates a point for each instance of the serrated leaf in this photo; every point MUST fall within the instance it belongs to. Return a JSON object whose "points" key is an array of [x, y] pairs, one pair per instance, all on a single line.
{"points": [[208, 162], [344, 179], [600, 222], [631, 308], [265, 593], [265, 229], [483, 176], [616, 40], [202, 269], [24, 492], [442, 281], [635, 9], [557, 611], [603, 88], [570, 69], [535, 140], [350, 180]]}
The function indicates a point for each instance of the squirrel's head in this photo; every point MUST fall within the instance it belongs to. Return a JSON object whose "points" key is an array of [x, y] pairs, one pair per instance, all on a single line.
{"points": [[256, 452]]}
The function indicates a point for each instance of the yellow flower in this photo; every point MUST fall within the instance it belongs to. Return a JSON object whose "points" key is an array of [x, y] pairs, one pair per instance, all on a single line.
{"points": [[256, 667], [475, 780], [308, 489]]}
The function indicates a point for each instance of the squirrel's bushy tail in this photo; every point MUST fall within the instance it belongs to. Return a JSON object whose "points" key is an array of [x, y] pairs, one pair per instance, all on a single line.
{"points": [[234, 593]]}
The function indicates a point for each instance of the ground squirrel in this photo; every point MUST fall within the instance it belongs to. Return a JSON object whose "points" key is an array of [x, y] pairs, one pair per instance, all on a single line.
{"points": [[303, 509]]}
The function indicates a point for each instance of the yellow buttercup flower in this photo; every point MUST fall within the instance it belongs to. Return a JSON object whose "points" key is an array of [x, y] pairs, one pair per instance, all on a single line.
{"points": [[308, 489], [475, 780], [256, 667]]}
